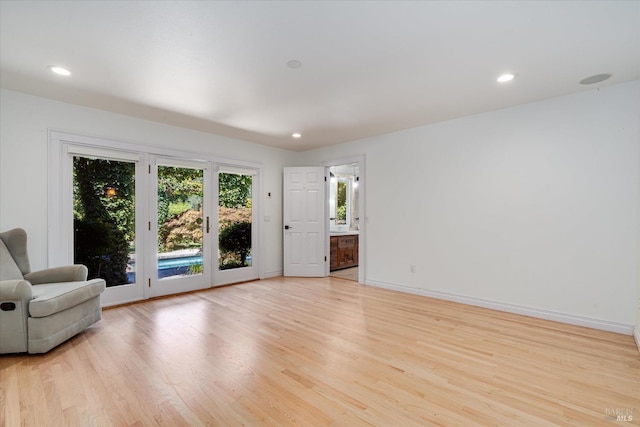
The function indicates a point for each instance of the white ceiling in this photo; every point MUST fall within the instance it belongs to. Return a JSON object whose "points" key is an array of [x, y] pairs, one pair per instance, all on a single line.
{"points": [[367, 67]]}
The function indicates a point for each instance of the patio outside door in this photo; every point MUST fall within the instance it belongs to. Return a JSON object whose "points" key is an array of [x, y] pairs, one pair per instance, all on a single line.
{"points": [[236, 225], [181, 226], [151, 223]]}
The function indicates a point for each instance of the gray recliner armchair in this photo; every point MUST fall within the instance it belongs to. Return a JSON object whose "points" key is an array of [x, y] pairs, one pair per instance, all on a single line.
{"points": [[41, 309]]}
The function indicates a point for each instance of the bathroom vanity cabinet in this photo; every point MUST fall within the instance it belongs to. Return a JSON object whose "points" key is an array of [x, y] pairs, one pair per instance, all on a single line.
{"points": [[344, 251]]}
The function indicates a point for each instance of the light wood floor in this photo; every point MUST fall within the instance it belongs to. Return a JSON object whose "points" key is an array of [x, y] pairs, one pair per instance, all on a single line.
{"points": [[347, 274], [316, 352]]}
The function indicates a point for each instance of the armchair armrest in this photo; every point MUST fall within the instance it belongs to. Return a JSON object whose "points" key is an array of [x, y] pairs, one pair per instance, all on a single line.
{"points": [[15, 290], [68, 273]]}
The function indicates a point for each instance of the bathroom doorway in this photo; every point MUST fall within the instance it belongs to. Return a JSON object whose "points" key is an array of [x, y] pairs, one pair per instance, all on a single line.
{"points": [[345, 186]]}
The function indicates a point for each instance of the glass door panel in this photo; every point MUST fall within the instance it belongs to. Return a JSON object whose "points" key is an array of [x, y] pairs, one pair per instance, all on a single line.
{"points": [[234, 221], [182, 252], [104, 215], [180, 218], [236, 226]]}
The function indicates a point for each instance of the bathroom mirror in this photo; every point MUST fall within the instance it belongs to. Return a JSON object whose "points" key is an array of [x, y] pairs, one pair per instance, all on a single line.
{"points": [[339, 203], [342, 202]]}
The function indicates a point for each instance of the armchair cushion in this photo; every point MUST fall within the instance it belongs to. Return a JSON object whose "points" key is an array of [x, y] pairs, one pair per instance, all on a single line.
{"points": [[56, 297]]}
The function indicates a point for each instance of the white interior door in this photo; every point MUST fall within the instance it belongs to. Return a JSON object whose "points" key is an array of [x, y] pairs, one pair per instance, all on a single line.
{"points": [[304, 222]]}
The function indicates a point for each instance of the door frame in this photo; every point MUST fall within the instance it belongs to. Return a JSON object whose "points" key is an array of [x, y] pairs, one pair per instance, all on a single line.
{"points": [[364, 219]]}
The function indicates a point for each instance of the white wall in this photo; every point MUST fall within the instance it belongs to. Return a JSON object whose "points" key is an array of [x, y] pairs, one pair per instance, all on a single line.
{"points": [[532, 208], [24, 124], [529, 207]]}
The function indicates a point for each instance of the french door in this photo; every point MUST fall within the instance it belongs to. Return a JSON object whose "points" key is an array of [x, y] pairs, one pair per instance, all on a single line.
{"points": [[151, 224], [237, 226], [181, 228], [103, 219]]}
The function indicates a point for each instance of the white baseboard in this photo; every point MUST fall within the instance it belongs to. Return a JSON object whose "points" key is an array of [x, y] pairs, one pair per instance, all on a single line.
{"points": [[571, 319], [269, 274], [636, 335]]}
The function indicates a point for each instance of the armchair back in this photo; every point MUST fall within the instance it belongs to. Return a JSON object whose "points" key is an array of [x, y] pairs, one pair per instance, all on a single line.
{"points": [[8, 268], [15, 241]]}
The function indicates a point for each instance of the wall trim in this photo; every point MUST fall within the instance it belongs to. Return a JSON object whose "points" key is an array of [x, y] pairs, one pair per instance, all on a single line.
{"points": [[636, 336], [270, 274], [571, 319]]}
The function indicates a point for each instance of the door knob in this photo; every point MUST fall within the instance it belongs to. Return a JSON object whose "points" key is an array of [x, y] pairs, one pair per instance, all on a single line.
{"points": [[286, 227]]}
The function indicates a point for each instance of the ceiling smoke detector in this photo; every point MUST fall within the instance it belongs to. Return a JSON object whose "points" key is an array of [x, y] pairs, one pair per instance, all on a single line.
{"points": [[591, 80]]}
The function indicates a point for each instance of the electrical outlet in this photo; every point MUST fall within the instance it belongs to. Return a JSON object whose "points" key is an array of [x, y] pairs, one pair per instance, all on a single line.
{"points": [[412, 268]]}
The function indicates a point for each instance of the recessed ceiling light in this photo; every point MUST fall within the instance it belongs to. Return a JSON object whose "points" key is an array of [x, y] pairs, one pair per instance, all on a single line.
{"points": [[507, 77], [594, 79], [59, 70], [294, 63], [296, 135]]}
